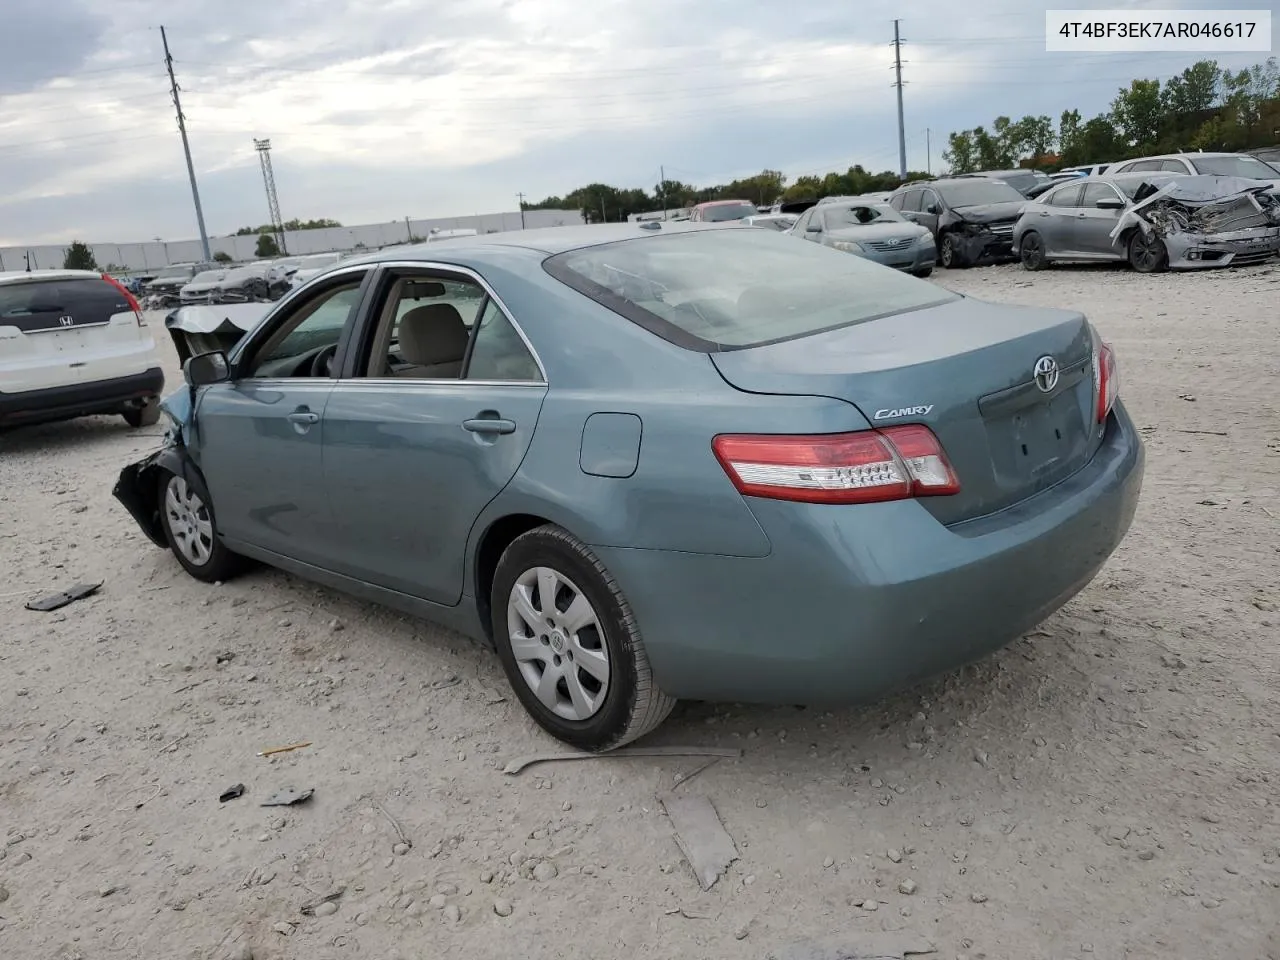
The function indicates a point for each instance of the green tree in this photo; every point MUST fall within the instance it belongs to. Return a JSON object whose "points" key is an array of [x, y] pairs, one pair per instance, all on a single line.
{"points": [[1193, 90], [1138, 114], [222, 257], [79, 257], [267, 246], [1069, 138], [1033, 137], [320, 223], [960, 156]]}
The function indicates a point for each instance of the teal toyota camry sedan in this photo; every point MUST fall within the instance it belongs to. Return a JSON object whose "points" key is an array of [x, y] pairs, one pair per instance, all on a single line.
{"points": [[647, 462]]}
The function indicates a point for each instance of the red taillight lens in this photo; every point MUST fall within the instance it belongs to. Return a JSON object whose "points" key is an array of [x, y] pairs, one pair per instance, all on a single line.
{"points": [[863, 467], [1107, 377], [129, 297]]}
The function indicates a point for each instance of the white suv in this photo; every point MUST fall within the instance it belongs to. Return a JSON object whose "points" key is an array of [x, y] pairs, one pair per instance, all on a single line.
{"points": [[74, 343]]}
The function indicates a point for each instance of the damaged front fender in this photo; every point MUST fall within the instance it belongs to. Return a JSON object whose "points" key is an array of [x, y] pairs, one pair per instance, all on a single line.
{"points": [[138, 486]]}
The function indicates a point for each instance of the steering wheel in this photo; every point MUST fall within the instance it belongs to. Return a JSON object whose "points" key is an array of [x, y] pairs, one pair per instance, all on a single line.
{"points": [[322, 363]]}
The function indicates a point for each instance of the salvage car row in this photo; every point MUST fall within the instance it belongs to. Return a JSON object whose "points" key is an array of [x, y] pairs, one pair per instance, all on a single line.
{"points": [[262, 280]]}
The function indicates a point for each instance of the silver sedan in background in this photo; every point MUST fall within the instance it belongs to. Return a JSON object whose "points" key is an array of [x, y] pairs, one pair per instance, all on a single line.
{"points": [[872, 230], [1156, 221]]}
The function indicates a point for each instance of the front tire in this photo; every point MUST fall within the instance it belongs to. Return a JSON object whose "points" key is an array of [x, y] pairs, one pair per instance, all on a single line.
{"points": [[923, 272], [186, 514], [948, 256], [1147, 254], [147, 415], [569, 643]]}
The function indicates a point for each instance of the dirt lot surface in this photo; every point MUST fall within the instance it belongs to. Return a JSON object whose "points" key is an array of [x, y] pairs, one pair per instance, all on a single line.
{"points": [[1105, 787]]}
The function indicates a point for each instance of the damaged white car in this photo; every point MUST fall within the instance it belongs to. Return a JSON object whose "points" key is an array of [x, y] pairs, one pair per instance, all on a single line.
{"points": [[1154, 221]]}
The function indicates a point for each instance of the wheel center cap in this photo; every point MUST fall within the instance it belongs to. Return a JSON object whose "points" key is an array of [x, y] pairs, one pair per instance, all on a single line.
{"points": [[558, 641]]}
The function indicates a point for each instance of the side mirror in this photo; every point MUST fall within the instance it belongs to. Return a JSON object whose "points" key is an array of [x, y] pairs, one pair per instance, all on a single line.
{"points": [[206, 368], [813, 228], [1110, 203]]}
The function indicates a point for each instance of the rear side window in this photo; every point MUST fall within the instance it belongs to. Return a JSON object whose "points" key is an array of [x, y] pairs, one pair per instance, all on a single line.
{"points": [[37, 305], [730, 289]]}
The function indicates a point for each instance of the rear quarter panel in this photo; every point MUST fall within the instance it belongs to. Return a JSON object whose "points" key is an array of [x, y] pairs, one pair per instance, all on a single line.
{"points": [[679, 497]]}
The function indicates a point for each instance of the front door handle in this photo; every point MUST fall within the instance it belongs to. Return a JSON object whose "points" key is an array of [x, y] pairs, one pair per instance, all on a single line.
{"points": [[1044, 213], [1080, 216], [304, 417], [489, 425]]}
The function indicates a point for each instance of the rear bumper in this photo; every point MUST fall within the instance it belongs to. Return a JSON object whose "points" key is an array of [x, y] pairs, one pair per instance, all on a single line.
{"points": [[854, 603], [79, 399]]}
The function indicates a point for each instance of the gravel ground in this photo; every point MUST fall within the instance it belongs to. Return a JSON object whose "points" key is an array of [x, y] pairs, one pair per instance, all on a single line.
{"points": [[1105, 787]]}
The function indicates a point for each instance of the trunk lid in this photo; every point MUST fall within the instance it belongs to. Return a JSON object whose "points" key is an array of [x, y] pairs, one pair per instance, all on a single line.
{"points": [[966, 369]]}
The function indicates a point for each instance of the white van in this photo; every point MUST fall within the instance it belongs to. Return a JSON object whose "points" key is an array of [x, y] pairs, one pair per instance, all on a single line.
{"points": [[74, 343]]}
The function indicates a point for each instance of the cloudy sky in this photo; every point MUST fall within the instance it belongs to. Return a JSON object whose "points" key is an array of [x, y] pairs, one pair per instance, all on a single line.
{"points": [[378, 109]]}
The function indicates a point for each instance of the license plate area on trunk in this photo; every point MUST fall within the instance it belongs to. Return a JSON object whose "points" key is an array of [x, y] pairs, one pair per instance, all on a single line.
{"points": [[1039, 444]]}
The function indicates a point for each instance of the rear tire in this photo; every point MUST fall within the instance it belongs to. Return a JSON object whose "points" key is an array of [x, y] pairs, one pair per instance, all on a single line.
{"points": [[574, 658], [186, 515], [1031, 250], [147, 415]]}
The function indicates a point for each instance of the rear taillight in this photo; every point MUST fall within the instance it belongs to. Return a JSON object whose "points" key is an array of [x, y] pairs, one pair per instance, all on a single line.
{"points": [[864, 467], [1106, 376], [129, 297]]}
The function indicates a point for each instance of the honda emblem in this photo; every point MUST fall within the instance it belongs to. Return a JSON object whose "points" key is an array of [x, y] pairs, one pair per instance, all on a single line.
{"points": [[65, 321]]}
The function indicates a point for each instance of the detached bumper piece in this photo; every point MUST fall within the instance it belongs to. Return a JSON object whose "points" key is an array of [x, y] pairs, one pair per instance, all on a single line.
{"points": [[138, 488]]}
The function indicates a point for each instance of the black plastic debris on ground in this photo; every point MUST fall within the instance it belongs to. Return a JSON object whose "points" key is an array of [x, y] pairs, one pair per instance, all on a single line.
{"points": [[231, 793], [287, 798], [58, 600]]}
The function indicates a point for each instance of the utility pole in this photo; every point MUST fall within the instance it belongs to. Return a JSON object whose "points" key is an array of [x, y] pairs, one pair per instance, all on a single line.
{"points": [[928, 153], [186, 147], [902, 132], [662, 190], [520, 197], [408, 230], [269, 181]]}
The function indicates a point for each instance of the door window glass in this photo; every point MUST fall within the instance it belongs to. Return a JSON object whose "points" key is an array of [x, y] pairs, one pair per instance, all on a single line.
{"points": [[301, 346], [498, 352], [1093, 192], [1068, 196]]}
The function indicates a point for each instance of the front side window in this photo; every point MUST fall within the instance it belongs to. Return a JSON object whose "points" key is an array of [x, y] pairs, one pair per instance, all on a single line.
{"points": [[729, 289], [1093, 192], [311, 331], [1068, 196]]}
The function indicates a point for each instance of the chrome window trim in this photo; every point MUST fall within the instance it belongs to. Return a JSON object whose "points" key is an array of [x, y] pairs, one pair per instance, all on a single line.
{"points": [[403, 381]]}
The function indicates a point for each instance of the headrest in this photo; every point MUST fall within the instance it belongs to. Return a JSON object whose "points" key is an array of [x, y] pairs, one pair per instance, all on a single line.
{"points": [[433, 333]]}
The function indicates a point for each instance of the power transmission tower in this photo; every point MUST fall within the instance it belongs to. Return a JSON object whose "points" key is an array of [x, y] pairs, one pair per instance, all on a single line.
{"points": [[902, 132], [186, 147], [273, 202]]}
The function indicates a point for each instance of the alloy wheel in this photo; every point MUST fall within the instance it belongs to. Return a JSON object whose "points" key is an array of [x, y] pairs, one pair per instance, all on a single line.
{"points": [[558, 643]]}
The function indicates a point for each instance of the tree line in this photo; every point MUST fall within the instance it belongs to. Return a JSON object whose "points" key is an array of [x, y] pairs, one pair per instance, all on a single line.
{"points": [[1206, 107], [289, 226]]}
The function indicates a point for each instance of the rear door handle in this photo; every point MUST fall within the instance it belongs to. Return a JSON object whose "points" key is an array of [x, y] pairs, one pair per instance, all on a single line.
{"points": [[489, 425], [304, 417]]}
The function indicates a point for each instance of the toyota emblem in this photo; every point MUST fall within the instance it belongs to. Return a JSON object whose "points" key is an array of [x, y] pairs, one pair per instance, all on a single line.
{"points": [[1046, 374]]}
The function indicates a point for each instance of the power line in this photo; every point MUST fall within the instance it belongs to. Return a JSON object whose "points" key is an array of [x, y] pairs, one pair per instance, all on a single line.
{"points": [[186, 147]]}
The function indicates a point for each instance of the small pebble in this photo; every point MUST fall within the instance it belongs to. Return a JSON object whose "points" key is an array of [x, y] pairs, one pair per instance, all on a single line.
{"points": [[870, 905], [544, 871], [1147, 855], [284, 929], [978, 897], [263, 838], [439, 901], [4, 894], [741, 933], [447, 889], [502, 908], [907, 887], [486, 876], [400, 849], [895, 856], [1209, 903], [326, 909], [242, 952], [107, 889], [829, 862], [452, 913]]}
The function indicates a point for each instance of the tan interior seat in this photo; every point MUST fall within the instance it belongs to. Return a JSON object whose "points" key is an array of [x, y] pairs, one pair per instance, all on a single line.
{"points": [[434, 339]]}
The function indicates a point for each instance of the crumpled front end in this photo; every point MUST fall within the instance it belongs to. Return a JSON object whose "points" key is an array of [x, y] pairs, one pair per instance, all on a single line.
{"points": [[986, 242], [1227, 222], [138, 485]]}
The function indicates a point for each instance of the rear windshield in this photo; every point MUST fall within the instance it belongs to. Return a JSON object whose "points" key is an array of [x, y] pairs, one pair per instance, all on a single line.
{"points": [[728, 211], [973, 193], [53, 304], [173, 273], [1241, 166], [730, 289]]}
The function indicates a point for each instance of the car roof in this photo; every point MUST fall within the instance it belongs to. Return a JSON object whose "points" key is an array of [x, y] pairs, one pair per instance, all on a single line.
{"points": [[540, 242], [18, 276]]}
